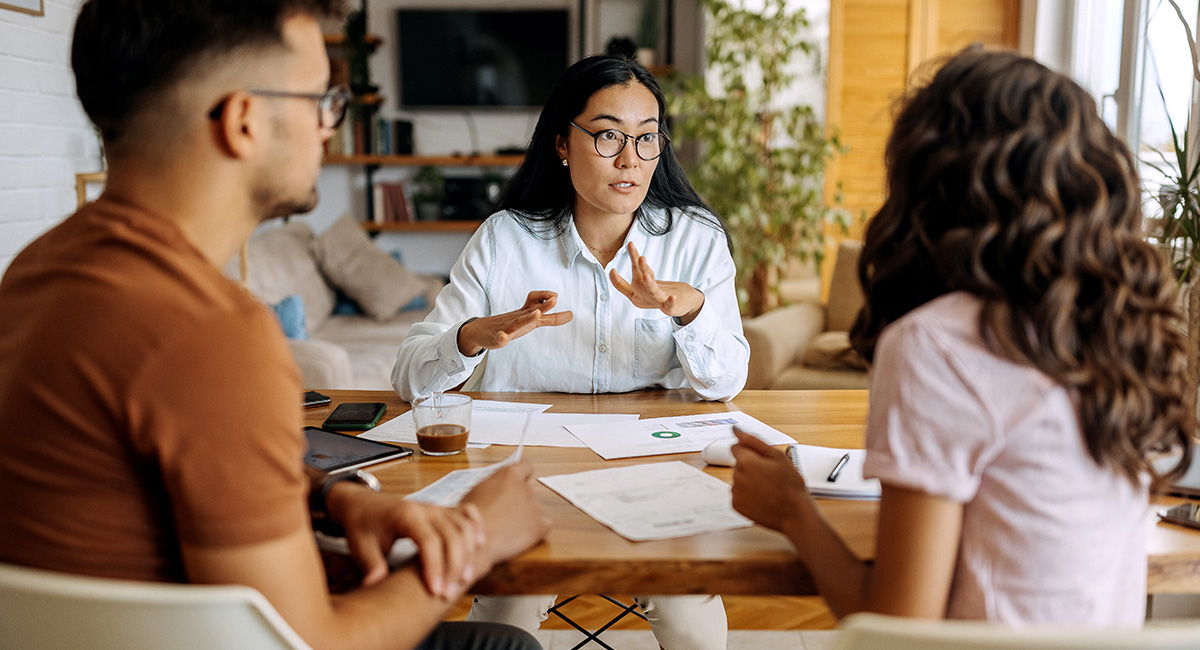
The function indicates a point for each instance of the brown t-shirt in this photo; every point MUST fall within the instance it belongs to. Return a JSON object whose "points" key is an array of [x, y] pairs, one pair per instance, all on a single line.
{"points": [[145, 400]]}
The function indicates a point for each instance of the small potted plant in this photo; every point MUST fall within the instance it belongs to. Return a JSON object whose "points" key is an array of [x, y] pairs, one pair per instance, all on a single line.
{"points": [[429, 192]]}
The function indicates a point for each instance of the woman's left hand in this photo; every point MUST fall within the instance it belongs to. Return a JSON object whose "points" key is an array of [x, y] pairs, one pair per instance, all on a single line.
{"points": [[678, 299]]}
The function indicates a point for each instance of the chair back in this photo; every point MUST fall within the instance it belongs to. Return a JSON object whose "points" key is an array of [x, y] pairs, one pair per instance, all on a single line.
{"points": [[877, 632], [45, 610]]}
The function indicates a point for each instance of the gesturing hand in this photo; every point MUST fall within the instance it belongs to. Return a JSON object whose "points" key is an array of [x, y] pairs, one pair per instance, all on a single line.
{"points": [[677, 299], [492, 332]]}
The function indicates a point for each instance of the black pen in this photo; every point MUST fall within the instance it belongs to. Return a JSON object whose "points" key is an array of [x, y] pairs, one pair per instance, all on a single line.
{"points": [[838, 468]]}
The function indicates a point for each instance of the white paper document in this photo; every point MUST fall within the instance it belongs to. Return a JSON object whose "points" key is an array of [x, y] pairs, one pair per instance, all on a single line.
{"points": [[816, 465], [501, 423], [652, 500], [451, 488], [674, 435]]}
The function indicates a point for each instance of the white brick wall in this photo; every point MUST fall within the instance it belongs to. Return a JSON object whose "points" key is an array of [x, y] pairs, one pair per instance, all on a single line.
{"points": [[45, 139]]}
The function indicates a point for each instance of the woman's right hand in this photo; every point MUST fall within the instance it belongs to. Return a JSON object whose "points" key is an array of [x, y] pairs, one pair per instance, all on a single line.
{"points": [[492, 332], [766, 486]]}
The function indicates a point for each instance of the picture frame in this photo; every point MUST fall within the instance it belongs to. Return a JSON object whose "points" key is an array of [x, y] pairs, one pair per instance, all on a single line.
{"points": [[88, 186], [31, 7]]}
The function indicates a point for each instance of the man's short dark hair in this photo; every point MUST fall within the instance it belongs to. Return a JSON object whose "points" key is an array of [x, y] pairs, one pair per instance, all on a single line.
{"points": [[126, 50]]}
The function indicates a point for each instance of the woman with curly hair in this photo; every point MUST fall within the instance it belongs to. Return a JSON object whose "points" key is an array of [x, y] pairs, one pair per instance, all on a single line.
{"points": [[1026, 370]]}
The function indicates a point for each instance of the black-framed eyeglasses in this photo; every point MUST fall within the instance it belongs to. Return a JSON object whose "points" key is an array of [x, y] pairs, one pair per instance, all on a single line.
{"points": [[331, 104], [610, 142]]}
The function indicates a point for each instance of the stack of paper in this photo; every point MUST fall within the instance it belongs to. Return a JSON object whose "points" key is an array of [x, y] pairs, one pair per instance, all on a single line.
{"points": [[816, 465]]}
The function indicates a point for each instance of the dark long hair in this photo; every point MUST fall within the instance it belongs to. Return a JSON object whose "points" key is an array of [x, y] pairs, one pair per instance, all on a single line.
{"points": [[1004, 182], [540, 194]]}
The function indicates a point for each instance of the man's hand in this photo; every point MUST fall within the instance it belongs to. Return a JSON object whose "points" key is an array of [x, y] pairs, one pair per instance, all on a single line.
{"points": [[449, 539], [512, 518], [766, 486], [678, 299], [492, 332]]}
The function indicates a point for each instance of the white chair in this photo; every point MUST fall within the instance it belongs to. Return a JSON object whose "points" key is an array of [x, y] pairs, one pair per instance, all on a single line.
{"points": [[45, 610], [877, 632]]}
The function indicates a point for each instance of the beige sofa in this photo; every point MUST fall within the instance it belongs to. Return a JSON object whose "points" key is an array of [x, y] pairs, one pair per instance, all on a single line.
{"points": [[806, 346], [354, 351]]}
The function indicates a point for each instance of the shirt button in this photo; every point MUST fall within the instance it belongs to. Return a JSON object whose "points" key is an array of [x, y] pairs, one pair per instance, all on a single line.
{"points": [[603, 296], [603, 348]]}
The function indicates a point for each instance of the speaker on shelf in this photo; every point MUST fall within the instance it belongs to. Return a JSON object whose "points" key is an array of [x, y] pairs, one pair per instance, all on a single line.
{"points": [[403, 137]]}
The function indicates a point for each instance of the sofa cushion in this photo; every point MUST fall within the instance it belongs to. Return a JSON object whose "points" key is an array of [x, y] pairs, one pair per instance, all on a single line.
{"points": [[281, 263], [831, 350], [845, 291], [367, 275]]}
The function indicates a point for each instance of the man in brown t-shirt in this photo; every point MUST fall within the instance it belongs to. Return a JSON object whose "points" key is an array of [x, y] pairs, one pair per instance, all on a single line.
{"points": [[150, 409]]}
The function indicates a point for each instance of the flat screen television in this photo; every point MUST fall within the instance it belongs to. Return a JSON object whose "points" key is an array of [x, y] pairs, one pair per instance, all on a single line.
{"points": [[467, 58]]}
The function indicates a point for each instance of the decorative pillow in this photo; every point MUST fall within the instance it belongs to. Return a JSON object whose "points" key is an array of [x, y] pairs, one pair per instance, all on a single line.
{"points": [[290, 312], [282, 262], [367, 275], [830, 351]]}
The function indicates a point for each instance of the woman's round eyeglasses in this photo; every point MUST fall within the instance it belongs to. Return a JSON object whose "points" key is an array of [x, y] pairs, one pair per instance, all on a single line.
{"points": [[610, 142], [331, 104]]}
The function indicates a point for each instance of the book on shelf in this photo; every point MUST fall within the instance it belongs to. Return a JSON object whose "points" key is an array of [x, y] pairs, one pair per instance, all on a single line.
{"points": [[392, 204], [818, 464]]}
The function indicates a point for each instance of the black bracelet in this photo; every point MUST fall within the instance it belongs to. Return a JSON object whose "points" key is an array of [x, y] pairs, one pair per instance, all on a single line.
{"points": [[318, 507]]}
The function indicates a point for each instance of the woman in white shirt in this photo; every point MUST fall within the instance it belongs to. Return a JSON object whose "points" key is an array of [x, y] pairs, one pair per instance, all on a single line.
{"points": [[598, 211], [1026, 366]]}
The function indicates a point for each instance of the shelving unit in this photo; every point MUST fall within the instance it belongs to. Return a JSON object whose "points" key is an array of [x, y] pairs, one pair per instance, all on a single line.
{"points": [[372, 162], [444, 225]]}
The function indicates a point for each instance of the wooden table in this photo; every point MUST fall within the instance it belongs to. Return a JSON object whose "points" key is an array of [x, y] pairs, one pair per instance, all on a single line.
{"points": [[581, 555]]}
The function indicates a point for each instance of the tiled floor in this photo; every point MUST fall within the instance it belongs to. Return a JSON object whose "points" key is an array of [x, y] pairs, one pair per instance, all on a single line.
{"points": [[738, 640]]}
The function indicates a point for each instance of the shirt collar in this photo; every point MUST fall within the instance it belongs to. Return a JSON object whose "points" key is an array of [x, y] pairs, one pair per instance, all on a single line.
{"points": [[574, 249]]}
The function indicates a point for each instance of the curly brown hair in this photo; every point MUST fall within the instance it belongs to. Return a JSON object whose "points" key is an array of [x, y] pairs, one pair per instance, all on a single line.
{"points": [[1004, 182]]}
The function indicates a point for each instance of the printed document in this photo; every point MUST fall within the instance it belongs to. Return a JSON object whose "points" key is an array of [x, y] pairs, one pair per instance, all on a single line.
{"points": [[652, 500], [501, 423], [673, 435]]}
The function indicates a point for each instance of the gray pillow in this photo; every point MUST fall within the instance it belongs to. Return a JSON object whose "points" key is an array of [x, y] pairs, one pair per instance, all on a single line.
{"points": [[369, 276]]}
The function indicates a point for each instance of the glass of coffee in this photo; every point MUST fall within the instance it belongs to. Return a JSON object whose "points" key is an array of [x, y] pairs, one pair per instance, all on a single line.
{"points": [[443, 423]]}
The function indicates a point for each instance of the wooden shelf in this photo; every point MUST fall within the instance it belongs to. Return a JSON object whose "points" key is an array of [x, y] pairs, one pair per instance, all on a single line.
{"points": [[423, 161], [424, 226], [340, 39]]}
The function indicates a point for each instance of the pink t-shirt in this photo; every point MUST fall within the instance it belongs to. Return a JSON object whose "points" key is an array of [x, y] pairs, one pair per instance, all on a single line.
{"points": [[1049, 536]]}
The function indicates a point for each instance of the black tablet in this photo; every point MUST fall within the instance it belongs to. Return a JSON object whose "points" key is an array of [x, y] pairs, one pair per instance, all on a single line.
{"points": [[332, 451]]}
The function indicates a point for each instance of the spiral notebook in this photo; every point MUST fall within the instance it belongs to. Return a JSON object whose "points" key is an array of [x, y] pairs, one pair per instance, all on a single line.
{"points": [[817, 464]]}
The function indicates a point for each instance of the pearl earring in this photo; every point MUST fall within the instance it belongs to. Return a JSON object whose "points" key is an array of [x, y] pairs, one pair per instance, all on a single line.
{"points": [[564, 162]]}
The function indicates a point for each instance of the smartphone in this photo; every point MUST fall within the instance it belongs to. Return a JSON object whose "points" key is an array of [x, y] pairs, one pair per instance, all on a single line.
{"points": [[1184, 514], [335, 452], [357, 416], [313, 399]]}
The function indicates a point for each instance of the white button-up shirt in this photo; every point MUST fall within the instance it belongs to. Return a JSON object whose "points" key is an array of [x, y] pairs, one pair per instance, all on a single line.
{"points": [[610, 346]]}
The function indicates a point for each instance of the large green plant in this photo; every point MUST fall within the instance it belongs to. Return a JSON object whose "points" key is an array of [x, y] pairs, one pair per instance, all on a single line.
{"points": [[762, 157], [1178, 194]]}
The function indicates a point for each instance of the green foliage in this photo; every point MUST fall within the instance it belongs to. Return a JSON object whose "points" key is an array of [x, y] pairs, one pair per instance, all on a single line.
{"points": [[1180, 204], [761, 162], [1179, 195]]}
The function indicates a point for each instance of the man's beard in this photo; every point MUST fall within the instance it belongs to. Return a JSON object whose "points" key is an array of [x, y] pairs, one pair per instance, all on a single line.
{"points": [[274, 206]]}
